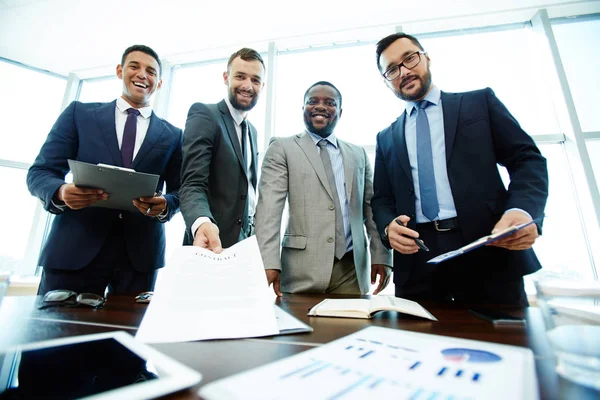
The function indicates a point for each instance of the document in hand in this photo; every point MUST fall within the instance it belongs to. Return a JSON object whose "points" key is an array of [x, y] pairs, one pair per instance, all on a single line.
{"points": [[479, 242], [365, 308], [122, 184], [202, 295], [384, 363]]}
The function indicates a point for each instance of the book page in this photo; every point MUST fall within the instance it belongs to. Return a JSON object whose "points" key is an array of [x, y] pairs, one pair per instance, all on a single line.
{"points": [[202, 295], [399, 304], [360, 305]]}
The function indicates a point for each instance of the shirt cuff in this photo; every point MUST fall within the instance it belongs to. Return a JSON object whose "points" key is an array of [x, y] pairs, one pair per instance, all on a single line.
{"points": [[162, 217], [518, 209], [61, 207], [197, 224]]}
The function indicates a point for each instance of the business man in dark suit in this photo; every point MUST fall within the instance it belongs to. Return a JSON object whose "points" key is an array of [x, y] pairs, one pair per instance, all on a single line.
{"points": [[91, 248], [436, 178], [220, 155]]}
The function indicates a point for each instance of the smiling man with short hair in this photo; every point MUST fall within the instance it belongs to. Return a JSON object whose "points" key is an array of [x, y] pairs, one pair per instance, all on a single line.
{"points": [[90, 249]]}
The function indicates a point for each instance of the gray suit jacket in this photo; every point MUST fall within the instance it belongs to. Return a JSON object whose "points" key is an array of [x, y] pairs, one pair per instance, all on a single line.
{"points": [[214, 182], [292, 168]]}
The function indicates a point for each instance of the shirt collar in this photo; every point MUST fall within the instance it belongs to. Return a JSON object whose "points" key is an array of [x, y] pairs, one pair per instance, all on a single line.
{"points": [[236, 114], [316, 138], [122, 105], [434, 96]]}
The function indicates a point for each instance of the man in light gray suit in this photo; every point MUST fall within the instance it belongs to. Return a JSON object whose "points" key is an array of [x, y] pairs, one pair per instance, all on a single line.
{"points": [[219, 169], [328, 184]]}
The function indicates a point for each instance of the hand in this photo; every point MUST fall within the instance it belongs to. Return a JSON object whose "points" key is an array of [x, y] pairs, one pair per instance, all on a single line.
{"points": [[273, 278], [155, 205], [77, 198], [520, 240], [384, 273], [207, 237], [399, 242]]}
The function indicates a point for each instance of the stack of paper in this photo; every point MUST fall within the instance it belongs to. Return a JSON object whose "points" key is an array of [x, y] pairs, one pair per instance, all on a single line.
{"points": [[383, 363], [203, 295]]}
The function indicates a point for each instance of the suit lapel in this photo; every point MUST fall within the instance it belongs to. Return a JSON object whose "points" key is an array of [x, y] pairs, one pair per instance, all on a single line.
{"points": [[399, 144], [154, 132], [232, 133], [349, 167], [310, 150], [451, 106], [105, 115]]}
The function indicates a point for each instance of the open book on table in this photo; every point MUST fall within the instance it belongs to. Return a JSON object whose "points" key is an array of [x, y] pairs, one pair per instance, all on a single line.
{"points": [[365, 308], [480, 242]]}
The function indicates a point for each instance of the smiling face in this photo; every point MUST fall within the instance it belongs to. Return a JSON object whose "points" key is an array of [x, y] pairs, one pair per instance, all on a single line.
{"points": [[321, 110], [140, 76], [411, 84], [245, 81]]}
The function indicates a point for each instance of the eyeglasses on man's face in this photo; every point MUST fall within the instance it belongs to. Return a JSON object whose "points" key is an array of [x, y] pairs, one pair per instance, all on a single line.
{"points": [[68, 298], [411, 61]]}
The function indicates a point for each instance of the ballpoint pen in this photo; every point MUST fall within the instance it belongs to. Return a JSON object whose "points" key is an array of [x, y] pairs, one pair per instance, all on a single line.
{"points": [[418, 241], [158, 194]]}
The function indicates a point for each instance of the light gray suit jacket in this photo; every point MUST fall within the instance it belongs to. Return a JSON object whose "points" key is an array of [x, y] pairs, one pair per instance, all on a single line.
{"points": [[292, 168]]}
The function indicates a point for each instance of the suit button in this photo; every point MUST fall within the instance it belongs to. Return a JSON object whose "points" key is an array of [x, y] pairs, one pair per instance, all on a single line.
{"points": [[412, 216], [330, 239], [120, 216], [411, 191], [331, 207], [243, 197], [239, 222]]}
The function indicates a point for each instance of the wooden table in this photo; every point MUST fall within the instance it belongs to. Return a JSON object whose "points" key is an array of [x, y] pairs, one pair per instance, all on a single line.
{"points": [[21, 322]]}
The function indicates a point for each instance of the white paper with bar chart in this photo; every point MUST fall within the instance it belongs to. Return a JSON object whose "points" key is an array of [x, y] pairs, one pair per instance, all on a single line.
{"points": [[384, 363]]}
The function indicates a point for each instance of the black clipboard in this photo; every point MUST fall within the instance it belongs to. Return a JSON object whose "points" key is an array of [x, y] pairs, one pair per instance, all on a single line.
{"points": [[122, 184]]}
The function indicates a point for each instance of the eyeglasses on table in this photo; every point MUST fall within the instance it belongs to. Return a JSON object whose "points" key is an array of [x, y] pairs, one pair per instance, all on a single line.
{"points": [[68, 298]]}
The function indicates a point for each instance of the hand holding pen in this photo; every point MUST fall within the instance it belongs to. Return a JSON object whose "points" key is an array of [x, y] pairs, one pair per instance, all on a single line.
{"points": [[151, 206], [403, 239]]}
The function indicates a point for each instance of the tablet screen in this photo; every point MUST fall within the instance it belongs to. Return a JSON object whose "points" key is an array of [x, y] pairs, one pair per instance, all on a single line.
{"points": [[72, 370]]}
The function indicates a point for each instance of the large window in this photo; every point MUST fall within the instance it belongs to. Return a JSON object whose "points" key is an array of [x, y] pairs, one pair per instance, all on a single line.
{"points": [[30, 102], [100, 90], [579, 47]]}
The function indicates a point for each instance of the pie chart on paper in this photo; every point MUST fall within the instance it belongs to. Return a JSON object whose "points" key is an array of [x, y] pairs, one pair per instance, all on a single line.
{"points": [[470, 355]]}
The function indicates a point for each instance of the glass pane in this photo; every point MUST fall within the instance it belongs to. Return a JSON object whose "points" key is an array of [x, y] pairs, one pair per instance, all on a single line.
{"points": [[561, 249], [500, 60], [101, 90], [368, 105], [204, 83], [23, 127], [20, 217], [580, 54]]}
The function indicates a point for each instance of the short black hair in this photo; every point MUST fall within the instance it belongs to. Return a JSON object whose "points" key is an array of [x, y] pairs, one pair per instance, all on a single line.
{"points": [[143, 49], [246, 54], [388, 40], [325, 83]]}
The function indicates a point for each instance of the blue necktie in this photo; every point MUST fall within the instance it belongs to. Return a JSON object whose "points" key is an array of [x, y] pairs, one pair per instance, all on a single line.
{"points": [[427, 188], [129, 137]]}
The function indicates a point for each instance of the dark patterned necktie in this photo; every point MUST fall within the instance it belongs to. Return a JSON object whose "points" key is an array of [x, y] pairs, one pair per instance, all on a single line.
{"points": [[129, 137]]}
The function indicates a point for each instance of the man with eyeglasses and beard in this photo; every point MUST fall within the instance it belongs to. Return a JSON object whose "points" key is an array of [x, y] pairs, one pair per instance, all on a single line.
{"points": [[437, 179], [328, 185], [220, 155]]}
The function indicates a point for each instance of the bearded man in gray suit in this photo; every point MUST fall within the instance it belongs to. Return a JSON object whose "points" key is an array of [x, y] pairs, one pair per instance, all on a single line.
{"points": [[328, 184], [220, 158]]}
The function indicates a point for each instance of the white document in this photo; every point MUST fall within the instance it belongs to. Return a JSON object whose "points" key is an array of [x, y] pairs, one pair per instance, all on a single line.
{"points": [[202, 295], [288, 324], [384, 363]]}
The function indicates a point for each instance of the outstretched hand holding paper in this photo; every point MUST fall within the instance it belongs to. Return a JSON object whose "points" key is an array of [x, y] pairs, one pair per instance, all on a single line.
{"points": [[480, 242]]}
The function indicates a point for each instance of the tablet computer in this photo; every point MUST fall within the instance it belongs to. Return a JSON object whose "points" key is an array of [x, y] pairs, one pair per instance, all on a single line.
{"points": [[102, 366]]}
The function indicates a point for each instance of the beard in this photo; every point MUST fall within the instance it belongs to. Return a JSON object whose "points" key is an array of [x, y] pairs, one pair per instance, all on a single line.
{"points": [[324, 131], [425, 85], [237, 105]]}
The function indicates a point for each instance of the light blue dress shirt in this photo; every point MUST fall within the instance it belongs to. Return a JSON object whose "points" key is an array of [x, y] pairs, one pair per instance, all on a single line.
{"points": [[435, 115], [337, 164]]}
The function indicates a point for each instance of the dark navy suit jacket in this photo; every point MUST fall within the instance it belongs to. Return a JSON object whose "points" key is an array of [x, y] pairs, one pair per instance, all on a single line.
{"points": [[479, 134], [86, 132]]}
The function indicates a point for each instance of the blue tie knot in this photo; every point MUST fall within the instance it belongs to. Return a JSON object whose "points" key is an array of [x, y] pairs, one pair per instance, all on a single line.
{"points": [[133, 111], [423, 104]]}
